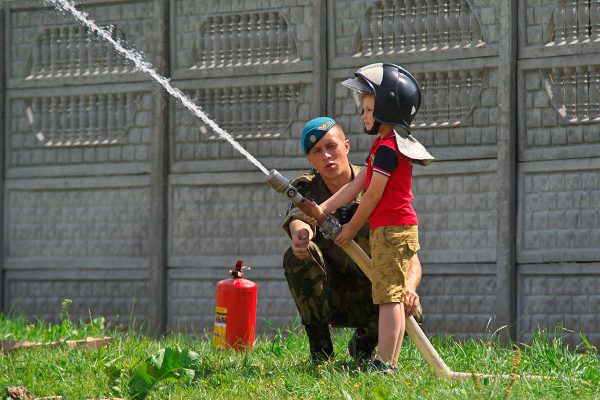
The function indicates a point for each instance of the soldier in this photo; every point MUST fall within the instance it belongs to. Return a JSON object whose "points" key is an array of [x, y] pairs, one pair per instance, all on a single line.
{"points": [[326, 285]]}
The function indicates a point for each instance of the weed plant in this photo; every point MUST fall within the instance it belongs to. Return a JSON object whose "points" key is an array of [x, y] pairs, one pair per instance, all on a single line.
{"points": [[185, 366]]}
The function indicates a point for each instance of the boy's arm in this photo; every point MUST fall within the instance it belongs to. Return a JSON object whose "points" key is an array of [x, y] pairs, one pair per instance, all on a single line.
{"points": [[347, 193], [413, 278], [365, 208], [414, 274]]}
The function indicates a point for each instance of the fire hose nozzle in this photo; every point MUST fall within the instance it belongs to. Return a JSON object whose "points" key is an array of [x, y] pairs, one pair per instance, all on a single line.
{"points": [[329, 225], [282, 185]]}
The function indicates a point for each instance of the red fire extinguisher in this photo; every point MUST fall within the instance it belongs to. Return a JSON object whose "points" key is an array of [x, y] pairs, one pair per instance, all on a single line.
{"points": [[235, 311]]}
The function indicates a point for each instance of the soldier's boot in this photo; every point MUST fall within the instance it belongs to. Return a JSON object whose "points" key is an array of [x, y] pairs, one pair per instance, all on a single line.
{"points": [[319, 340], [362, 345]]}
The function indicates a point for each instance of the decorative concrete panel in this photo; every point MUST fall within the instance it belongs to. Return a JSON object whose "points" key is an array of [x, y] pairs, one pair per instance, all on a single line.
{"points": [[77, 222], [212, 226], [87, 120], [85, 163], [46, 47], [574, 21], [250, 112], [574, 92], [404, 26], [70, 51], [83, 127], [558, 219], [265, 115], [242, 39], [458, 117], [456, 206], [242, 219], [561, 23], [561, 299], [218, 38], [460, 299], [114, 296], [192, 304], [449, 97], [421, 29], [561, 116]]}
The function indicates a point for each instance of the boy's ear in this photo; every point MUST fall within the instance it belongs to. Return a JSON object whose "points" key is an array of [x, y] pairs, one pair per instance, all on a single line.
{"points": [[347, 145]]}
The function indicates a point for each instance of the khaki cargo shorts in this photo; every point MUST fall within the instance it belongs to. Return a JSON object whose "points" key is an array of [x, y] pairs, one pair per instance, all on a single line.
{"points": [[392, 247]]}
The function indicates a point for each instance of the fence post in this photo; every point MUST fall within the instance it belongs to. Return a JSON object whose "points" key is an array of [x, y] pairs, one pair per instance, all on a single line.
{"points": [[506, 172]]}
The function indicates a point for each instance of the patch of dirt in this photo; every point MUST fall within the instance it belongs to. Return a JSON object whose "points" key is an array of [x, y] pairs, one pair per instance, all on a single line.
{"points": [[17, 393], [21, 393]]}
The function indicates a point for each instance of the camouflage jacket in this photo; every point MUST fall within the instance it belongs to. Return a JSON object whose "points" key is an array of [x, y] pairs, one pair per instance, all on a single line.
{"points": [[312, 186]]}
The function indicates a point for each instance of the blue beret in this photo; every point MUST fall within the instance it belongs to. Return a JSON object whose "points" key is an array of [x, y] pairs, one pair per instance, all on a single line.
{"points": [[314, 130]]}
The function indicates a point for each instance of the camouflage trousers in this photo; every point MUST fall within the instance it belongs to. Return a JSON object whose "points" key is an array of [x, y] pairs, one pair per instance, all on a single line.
{"points": [[329, 289]]}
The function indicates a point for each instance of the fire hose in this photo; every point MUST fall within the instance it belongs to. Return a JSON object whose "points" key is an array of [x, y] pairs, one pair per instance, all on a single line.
{"points": [[330, 227]]}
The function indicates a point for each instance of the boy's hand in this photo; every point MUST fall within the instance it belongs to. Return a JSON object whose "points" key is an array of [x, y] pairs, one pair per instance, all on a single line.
{"points": [[411, 302], [310, 219], [344, 238]]}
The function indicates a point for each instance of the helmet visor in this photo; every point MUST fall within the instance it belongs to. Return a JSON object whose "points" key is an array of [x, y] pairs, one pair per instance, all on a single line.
{"points": [[358, 84]]}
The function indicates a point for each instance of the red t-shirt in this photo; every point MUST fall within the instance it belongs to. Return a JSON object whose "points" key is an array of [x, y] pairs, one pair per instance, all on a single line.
{"points": [[394, 208]]}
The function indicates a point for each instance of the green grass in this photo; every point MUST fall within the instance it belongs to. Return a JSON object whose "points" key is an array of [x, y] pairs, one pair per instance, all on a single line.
{"points": [[277, 368], [18, 328]]}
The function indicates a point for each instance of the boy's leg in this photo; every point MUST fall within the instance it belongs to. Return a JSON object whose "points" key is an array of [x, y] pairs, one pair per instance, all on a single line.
{"points": [[401, 337], [392, 248], [391, 331]]}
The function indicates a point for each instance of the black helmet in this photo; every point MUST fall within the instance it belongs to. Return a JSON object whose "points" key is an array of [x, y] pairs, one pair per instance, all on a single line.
{"points": [[397, 93]]}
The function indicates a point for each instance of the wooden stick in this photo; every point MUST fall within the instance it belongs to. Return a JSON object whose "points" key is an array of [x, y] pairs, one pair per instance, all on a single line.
{"points": [[7, 346]]}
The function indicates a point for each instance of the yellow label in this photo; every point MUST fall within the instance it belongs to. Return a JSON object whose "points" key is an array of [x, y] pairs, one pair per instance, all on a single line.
{"points": [[219, 340]]}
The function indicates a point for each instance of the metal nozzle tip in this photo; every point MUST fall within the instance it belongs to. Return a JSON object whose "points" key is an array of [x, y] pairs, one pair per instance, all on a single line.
{"points": [[277, 181]]}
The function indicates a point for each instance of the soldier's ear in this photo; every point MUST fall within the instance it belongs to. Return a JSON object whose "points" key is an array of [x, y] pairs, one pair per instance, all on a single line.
{"points": [[347, 145]]}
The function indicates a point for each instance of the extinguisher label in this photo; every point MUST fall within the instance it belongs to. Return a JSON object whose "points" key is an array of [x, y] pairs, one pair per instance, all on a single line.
{"points": [[219, 340]]}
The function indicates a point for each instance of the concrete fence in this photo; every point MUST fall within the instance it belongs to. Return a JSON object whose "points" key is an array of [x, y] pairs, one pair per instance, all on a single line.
{"points": [[117, 197]]}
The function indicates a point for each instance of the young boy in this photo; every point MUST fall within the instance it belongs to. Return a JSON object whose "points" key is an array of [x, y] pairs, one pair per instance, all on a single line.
{"points": [[391, 97]]}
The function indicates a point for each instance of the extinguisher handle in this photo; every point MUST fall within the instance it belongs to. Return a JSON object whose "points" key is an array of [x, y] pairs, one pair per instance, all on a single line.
{"points": [[238, 272]]}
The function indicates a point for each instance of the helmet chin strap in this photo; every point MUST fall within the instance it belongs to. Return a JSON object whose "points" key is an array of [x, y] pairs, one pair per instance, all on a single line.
{"points": [[374, 129]]}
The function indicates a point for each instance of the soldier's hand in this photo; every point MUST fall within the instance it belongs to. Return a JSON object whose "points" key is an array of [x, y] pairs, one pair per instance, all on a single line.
{"points": [[411, 302], [300, 241]]}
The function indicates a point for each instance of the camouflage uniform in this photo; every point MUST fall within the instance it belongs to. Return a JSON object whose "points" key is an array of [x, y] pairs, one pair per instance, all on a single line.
{"points": [[330, 289]]}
